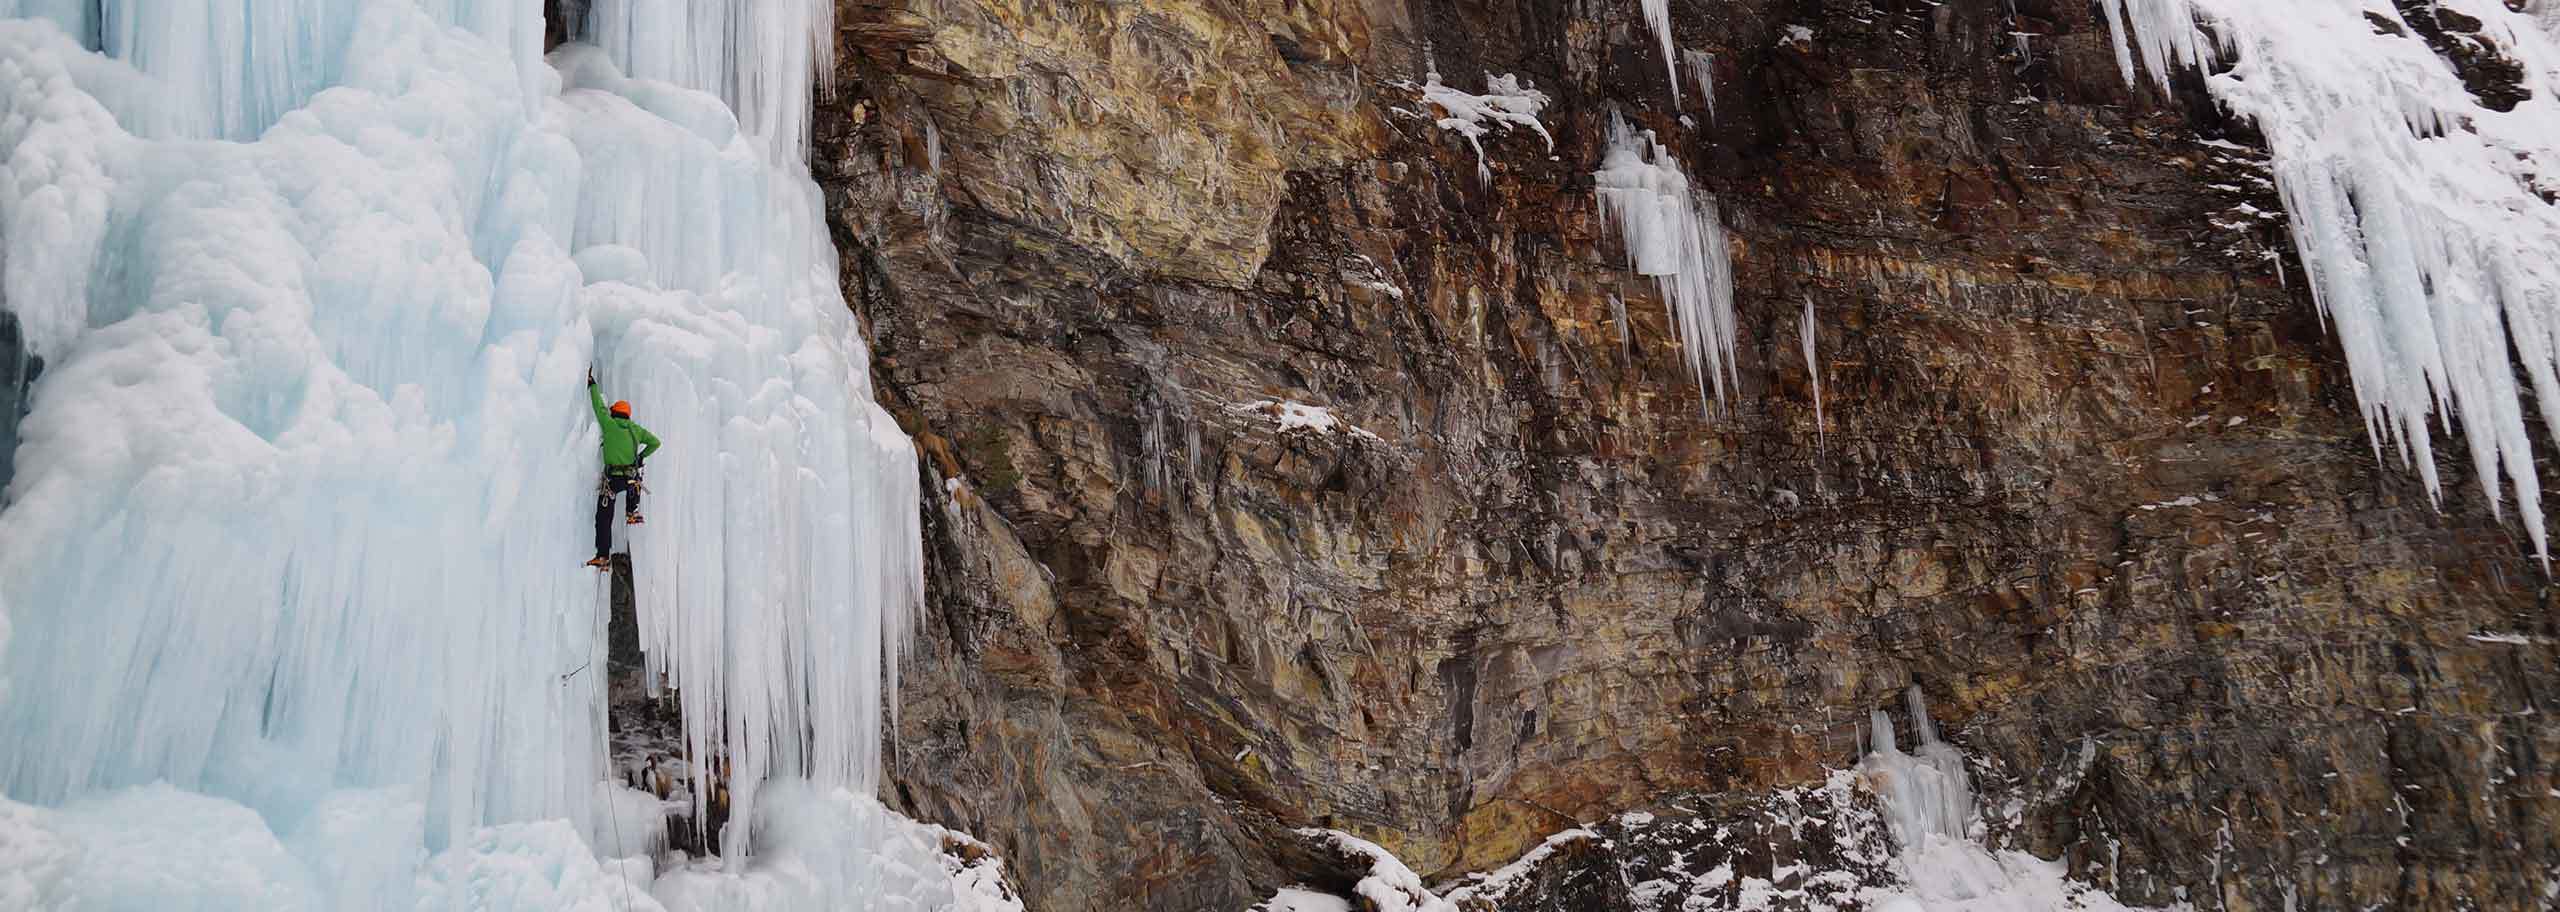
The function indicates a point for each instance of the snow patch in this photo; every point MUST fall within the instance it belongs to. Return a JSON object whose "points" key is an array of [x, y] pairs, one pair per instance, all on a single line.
{"points": [[1505, 104], [1292, 415], [1389, 886], [541, 865], [159, 847], [2511, 639], [35, 858], [1300, 899], [1497, 886], [2190, 500], [821, 839]]}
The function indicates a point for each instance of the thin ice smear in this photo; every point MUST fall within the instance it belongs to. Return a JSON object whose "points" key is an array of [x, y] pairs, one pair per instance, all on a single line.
{"points": [[2419, 211]]}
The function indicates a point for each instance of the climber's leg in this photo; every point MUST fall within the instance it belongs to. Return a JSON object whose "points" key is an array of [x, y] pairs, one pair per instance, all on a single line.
{"points": [[604, 523]]}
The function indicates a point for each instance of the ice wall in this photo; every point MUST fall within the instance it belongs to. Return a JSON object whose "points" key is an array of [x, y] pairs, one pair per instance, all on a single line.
{"points": [[1674, 235], [764, 59], [292, 555], [2419, 210]]}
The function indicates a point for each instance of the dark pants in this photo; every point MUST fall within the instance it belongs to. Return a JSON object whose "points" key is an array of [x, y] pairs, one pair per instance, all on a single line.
{"points": [[613, 484]]}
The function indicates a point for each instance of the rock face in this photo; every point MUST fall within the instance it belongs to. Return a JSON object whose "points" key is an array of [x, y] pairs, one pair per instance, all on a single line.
{"points": [[18, 370], [2086, 469]]}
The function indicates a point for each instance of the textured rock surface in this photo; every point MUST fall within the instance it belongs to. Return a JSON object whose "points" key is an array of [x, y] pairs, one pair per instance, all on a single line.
{"points": [[2087, 470], [18, 370]]}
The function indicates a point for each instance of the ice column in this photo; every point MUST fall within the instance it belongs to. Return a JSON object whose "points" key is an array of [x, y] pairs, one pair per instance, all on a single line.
{"points": [[765, 59]]}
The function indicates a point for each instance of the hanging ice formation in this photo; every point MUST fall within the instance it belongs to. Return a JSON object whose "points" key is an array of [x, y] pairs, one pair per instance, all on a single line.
{"points": [[1930, 812], [291, 559], [1657, 15], [1674, 235], [2418, 208], [1702, 67]]}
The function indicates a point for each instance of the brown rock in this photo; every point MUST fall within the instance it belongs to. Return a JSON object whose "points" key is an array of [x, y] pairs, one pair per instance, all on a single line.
{"points": [[2088, 470]]}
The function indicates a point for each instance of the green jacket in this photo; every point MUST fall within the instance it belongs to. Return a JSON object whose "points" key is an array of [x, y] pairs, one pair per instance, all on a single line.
{"points": [[626, 443]]}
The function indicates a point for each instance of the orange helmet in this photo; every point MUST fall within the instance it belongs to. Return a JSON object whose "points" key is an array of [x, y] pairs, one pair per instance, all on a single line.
{"points": [[621, 409]]}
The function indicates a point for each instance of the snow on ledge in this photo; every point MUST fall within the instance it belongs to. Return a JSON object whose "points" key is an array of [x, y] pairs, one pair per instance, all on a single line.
{"points": [[1293, 415], [1506, 103], [1390, 886], [1301, 899], [1497, 886], [2510, 639]]}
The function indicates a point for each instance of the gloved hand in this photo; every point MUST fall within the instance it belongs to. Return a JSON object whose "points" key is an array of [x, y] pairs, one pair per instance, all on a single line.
{"points": [[591, 376]]}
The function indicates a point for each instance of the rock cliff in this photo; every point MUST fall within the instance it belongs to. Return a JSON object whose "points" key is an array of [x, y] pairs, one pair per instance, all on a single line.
{"points": [[1289, 473]]}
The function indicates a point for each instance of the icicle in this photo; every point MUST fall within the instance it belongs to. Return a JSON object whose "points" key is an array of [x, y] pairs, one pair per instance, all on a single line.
{"points": [[1675, 236], [1702, 67], [932, 148], [1657, 13], [1812, 368], [1921, 726], [2417, 211], [765, 59]]}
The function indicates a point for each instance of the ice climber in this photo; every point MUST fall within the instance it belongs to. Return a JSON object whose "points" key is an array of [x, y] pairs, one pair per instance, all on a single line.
{"points": [[627, 446]]}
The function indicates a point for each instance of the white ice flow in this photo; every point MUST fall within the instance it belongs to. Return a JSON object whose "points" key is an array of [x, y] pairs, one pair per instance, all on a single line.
{"points": [[1675, 235], [1930, 811], [291, 607], [2421, 212]]}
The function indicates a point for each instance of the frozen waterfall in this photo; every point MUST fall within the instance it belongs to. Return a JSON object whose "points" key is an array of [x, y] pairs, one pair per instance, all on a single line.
{"points": [[291, 610], [1930, 811], [2420, 210]]}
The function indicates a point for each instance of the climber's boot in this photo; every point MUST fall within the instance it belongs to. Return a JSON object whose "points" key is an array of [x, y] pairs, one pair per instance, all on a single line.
{"points": [[601, 563], [632, 519]]}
